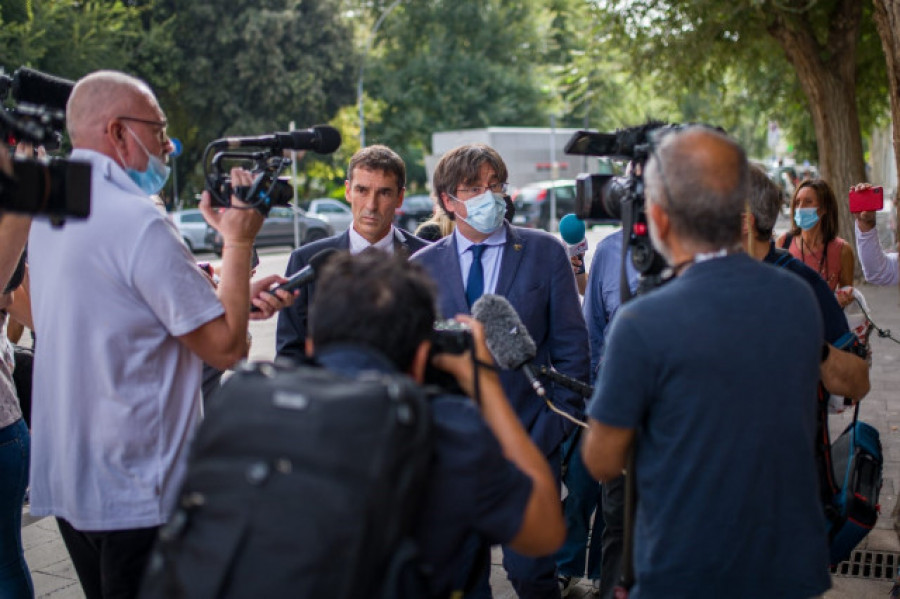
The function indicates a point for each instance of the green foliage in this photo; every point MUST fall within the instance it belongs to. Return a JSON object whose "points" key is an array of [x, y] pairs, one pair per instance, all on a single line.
{"points": [[69, 39], [443, 64]]}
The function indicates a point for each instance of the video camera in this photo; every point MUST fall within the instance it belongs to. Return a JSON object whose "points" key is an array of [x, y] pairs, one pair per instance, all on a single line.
{"points": [[266, 161], [53, 187], [622, 197]]}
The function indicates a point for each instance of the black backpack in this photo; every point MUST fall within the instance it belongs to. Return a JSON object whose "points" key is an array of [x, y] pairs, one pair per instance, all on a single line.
{"points": [[301, 483]]}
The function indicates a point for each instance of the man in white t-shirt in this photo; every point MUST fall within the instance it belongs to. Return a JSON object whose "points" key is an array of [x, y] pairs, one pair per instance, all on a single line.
{"points": [[125, 319]]}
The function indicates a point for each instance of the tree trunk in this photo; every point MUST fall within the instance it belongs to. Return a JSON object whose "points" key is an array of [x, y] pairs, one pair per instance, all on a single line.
{"points": [[827, 74], [887, 19]]}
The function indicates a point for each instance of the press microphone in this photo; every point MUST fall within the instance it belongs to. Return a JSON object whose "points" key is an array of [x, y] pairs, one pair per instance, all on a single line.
{"points": [[34, 87], [512, 346], [507, 338], [305, 275], [571, 229], [322, 139]]}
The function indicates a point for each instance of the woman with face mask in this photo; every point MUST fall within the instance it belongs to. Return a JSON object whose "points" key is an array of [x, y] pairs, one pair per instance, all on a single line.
{"points": [[813, 237]]}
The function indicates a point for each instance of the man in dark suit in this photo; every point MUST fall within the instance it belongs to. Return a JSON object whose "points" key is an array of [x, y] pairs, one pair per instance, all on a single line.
{"points": [[376, 180], [530, 268]]}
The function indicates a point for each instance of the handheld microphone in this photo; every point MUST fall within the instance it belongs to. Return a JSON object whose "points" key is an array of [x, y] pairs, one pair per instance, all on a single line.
{"points": [[34, 87], [507, 338], [322, 139], [571, 229], [305, 275]]}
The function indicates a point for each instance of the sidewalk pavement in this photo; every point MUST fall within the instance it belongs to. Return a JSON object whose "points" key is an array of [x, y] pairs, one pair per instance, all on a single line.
{"points": [[55, 577]]}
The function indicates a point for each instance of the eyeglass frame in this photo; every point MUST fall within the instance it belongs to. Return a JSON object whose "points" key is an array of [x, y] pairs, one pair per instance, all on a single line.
{"points": [[477, 191], [163, 125]]}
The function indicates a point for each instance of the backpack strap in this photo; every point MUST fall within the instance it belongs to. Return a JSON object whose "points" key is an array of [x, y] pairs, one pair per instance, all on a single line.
{"points": [[783, 257], [477, 558], [788, 238]]}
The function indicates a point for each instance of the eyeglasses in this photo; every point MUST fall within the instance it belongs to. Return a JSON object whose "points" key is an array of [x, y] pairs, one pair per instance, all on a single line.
{"points": [[162, 136], [477, 191]]}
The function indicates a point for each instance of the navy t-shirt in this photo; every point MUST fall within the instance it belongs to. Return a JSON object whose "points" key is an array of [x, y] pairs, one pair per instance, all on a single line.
{"points": [[717, 372], [472, 487], [833, 318]]}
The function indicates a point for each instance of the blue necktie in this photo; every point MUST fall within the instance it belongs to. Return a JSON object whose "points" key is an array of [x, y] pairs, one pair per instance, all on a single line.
{"points": [[475, 282]]}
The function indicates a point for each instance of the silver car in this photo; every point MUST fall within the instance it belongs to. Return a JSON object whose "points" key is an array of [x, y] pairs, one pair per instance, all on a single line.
{"points": [[193, 229], [278, 229], [334, 211]]}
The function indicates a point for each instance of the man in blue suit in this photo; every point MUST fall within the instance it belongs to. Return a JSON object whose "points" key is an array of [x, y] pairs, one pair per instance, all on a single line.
{"points": [[376, 180], [530, 268]]}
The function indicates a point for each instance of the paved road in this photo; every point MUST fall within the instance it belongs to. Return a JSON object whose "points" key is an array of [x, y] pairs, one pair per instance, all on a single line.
{"points": [[55, 577]]}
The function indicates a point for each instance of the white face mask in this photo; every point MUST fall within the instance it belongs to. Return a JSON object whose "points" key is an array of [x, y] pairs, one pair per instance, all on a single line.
{"points": [[485, 212]]}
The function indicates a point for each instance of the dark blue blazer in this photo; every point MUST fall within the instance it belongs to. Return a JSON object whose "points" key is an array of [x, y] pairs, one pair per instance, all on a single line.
{"points": [[537, 279], [290, 334]]}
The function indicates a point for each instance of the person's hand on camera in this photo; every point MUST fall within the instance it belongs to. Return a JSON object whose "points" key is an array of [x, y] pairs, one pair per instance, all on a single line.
{"points": [[267, 300], [864, 220], [239, 224], [460, 365]]}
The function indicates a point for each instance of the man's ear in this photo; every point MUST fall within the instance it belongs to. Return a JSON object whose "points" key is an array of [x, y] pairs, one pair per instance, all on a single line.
{"points": [[420, 362], [447, 203], [660, 219], [310, 348]]}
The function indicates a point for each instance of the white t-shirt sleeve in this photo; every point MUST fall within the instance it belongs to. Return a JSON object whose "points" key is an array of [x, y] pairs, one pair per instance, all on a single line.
{"points": [[167, 278], [879, 268]]}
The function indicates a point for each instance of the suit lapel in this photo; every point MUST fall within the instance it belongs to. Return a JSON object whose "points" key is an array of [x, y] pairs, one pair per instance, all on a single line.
{"points": [[452, 278], [513, 251]]}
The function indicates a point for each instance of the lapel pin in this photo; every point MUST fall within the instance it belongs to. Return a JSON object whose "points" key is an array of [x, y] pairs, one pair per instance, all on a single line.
{"points": [[517, 247]]}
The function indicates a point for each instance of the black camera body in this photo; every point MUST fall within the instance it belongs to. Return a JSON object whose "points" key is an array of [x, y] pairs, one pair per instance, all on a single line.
{"points": [[266, 161], [447, 337], [267, 189], [52, 187], [621, 198]]}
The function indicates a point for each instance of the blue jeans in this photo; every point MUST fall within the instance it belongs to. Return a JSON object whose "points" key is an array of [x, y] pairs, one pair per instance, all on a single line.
{"points": [[15, 579], [584, 499]]}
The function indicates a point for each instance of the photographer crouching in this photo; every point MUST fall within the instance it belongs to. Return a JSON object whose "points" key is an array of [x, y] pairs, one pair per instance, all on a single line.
{"points": [[487, 476], [711, 378], [126, 318]]}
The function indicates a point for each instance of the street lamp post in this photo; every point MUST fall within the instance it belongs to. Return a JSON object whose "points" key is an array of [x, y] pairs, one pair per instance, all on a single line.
{"points": [[362, 66]]}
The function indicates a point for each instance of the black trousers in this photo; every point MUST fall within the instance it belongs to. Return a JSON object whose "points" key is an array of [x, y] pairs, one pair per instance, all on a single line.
{"points": [[110, 564]]}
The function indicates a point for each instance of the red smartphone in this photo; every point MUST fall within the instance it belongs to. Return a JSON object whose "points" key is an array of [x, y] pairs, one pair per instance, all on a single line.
{"points": [[867, 200]]}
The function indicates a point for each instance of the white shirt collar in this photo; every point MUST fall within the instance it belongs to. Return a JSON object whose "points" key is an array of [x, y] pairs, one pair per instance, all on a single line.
{"points": [[498, 237], [358, 243]]}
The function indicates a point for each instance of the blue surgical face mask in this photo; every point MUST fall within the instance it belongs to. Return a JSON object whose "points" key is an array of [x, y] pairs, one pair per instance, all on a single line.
{"points": [[806, 218], [151, 180], [485, 212]]}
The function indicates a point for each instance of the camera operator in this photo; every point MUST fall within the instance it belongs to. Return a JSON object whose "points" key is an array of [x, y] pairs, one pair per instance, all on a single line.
{"points": [[375, 312], [708, 376], [879, 267], [126, 318]]}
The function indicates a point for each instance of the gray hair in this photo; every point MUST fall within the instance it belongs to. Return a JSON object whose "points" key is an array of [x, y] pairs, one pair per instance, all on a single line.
{"points": [[699, 176], [765, 202]]}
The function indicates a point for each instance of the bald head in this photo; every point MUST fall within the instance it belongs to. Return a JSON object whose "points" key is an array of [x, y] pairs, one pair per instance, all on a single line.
{"points": [[99, 97], [699, 176]]}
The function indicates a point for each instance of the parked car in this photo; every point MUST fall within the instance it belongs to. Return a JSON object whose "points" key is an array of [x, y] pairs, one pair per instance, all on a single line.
{"points": [[193, 228], [532, 202], [336, 212], [415, 209], [278, 229]]}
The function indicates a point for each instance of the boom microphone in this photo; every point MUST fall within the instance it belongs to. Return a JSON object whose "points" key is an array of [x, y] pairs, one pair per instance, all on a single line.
{"points": [[305, 275], [322, 139], [512, 346], [507, 338], [34, 87]]}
